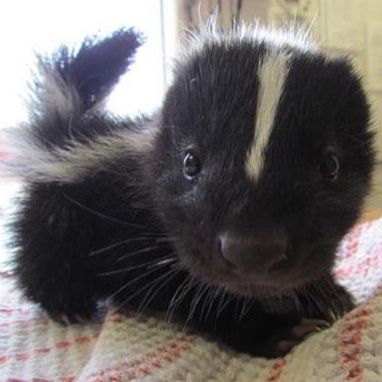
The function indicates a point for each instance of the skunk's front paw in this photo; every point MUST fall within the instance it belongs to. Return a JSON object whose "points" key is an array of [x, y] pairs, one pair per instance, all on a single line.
{"points": [[65, 293], [275, 337], [72, 314], [282, 342]]}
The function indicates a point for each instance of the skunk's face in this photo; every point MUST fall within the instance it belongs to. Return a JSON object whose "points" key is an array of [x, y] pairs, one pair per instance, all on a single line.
{"points": [[261, 165]]}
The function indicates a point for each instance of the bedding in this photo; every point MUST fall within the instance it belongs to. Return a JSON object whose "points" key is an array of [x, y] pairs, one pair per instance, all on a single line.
{"points": [[121, 346]]}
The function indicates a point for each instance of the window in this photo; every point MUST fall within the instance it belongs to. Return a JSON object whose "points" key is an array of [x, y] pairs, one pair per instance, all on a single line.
{"points": [[40, 26]]}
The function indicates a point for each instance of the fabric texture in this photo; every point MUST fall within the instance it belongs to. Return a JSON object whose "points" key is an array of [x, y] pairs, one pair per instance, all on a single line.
{"points": [[124, 347]]}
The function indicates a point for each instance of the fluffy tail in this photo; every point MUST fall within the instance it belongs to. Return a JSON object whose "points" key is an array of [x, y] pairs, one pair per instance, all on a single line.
{"points": [[67, 92]]}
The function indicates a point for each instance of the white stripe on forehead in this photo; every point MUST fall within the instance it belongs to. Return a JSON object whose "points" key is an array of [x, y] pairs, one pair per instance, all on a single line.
{"points": [[272, 72]]}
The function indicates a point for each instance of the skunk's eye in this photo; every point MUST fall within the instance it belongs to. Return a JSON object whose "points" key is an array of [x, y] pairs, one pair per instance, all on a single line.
{"points": [[191, 164], [330, 167]]}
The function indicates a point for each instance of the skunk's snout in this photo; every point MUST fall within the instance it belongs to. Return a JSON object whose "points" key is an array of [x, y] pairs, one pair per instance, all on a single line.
{"points": [[258, 253]]}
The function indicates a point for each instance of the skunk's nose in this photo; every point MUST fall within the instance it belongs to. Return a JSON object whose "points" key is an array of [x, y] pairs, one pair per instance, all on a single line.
{"points": [[254, 254]]}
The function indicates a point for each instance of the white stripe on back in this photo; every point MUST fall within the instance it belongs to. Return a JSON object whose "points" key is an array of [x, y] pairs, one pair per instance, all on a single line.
{"points": [[29, 160], [272, 72]]}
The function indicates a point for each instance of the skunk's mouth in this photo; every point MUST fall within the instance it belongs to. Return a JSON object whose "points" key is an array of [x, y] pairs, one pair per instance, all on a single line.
{"points": [[246, 285], [254, 288], [261, 288], [281, 281]]}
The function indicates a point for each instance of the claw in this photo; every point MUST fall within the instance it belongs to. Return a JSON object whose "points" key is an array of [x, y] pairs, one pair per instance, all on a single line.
{"points": [[69, 318], [285, 346], [308, 326], [285, 341]]}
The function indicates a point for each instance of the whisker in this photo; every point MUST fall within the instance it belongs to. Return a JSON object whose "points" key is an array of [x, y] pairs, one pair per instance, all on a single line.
{"points": [[222, 305], [177, 291], [102, 215], [123, 287], [206, 299], [229, 299], [164, 262], [214, 294], [144, 304], [137, 252], [222, 291], [161, 277], [296, 302], [117, 244], [179, 294], [247, 305], [151, 263], [195, 300], [165, 239]]}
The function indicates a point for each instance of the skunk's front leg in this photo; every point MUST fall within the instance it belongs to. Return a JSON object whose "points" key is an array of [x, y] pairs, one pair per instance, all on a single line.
{"points": [[73, 242], [53, 240]]}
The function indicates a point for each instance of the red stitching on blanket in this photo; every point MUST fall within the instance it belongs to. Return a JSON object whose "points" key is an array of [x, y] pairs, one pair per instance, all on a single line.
{"points": [[276, 370], [353, 240], [353, 326], [145, 364], [61, 345], [29, 380], [25, 323], [10, 311], [366, 265]]}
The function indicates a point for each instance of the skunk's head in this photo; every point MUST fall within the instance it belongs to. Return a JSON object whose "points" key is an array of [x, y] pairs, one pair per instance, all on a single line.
{"points": [[263, 159]]}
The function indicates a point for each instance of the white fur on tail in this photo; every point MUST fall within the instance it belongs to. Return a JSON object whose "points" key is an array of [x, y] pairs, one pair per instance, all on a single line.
{"points": [[28, 159]]}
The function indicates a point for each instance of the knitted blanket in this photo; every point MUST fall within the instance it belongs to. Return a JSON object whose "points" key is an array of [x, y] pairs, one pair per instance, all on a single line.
{"points": [[126, 348]]}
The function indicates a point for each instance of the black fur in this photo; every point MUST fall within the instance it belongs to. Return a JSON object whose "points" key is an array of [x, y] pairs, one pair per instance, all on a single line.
{"points": [[139, 232]]}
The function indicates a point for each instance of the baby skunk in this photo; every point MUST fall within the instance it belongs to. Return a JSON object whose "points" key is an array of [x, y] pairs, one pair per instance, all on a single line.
{"points": [[223, 211]]}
